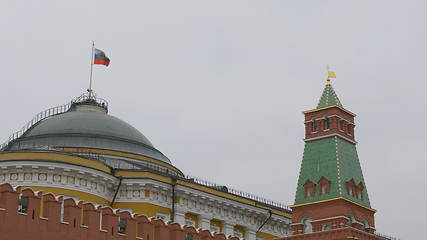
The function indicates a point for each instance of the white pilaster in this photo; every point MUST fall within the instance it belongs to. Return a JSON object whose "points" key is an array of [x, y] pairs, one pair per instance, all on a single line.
{"points": [[228, 229], [179, 217], [205, 223], [250, 234]]}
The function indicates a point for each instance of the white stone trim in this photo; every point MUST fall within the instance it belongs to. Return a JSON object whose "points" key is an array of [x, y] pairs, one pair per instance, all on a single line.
{"points": [[58, 175], [330, 218], [322, 118], [329, 135]]}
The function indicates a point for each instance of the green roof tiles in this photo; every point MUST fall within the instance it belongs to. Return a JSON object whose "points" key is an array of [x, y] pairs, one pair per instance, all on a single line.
{"points": [[328, 98], [337, 161]]}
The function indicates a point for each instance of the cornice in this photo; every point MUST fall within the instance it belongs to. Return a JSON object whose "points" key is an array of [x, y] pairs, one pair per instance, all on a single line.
{"points": [[333, 106], [333, 199]]}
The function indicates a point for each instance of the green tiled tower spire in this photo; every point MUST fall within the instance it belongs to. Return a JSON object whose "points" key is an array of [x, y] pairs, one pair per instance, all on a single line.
{"points": [[330, 166], [329, 97]]}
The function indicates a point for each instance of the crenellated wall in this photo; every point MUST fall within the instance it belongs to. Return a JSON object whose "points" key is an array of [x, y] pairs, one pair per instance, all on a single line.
{"points": [[49, 217]]}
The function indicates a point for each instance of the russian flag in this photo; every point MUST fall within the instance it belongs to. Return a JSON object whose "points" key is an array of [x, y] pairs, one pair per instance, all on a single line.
{"points": [[100, 58]]}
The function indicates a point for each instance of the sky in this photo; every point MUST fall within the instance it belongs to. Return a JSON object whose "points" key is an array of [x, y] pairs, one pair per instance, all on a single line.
{"points": [[219, 86]]}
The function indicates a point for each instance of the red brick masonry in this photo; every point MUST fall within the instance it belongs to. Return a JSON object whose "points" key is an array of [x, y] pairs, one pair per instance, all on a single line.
{"points": [[42, 220]]}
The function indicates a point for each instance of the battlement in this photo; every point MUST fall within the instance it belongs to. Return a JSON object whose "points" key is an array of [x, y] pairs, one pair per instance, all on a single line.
{"points": [[25, 214]]}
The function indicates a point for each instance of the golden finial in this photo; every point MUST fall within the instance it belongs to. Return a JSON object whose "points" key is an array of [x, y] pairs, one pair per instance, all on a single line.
{"points": [[330, 75]]}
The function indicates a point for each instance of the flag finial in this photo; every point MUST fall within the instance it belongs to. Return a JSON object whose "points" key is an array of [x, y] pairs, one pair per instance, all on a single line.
{"points": [[330, 75]]}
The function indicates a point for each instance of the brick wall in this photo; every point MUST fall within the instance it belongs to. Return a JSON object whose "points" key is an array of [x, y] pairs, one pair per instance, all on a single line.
{"points": [[50, 217]]}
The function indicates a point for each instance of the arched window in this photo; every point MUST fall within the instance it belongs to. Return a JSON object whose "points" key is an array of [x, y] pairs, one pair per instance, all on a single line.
{"points": [[308, 228], [359, 190], [365, 225], [324, 186], [309, 189], [327, 123], [351, 188]]}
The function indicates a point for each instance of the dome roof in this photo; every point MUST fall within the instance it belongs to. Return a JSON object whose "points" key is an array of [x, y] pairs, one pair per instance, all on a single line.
{"points": [[89, 126]]}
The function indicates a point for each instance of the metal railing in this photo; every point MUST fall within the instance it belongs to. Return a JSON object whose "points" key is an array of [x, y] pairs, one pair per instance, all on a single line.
{"points": [[91, 99], [84, 98], [385, 237], [239, 193], [39, 117]]}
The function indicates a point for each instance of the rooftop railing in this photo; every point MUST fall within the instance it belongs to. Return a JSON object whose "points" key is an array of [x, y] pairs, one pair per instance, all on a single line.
{"points": [[84, 98], [39, 117], [385, 237], [239, 193]]}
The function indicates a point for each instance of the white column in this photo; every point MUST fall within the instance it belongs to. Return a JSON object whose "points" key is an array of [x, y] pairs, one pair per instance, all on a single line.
{"points": [[250, 234], [179, 217], [228, 229], [205, 223]]}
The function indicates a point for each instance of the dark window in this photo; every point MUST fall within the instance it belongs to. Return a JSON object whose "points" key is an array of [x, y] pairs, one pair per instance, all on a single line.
{"points": [[23, 204], [326, 227], [122, 225], [327, 123], [314, 125], [189, 236]]}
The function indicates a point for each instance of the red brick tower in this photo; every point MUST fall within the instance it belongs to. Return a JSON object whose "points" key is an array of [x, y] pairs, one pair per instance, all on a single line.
{"points": [[331, 200]]}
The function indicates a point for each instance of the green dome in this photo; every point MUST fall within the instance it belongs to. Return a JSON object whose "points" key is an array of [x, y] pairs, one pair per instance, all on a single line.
{"points": [[87, 125]]}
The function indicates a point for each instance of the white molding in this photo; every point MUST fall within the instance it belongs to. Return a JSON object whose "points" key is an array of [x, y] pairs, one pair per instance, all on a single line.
{"points": [[322, 118], [330, 218], [329, 135], [58, 175]]}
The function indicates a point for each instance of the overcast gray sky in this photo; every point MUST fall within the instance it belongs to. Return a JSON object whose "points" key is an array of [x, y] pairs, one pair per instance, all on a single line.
{"points": [[219, 86]]}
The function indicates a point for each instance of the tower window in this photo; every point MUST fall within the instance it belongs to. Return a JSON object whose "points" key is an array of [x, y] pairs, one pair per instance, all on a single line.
{"points": [[351, 188], [351, 220], [365, 225], [314, 126], [308, 228], [341, 125], [326, 227], [309, 189], [324, 186], [327, 123], [359, 190], [323, 189]]}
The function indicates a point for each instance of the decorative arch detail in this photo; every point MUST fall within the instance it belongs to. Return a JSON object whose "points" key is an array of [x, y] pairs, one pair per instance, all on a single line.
{"points": [[359, 191], [309, 189], [351, 188], [324, 186], [307, 226]]}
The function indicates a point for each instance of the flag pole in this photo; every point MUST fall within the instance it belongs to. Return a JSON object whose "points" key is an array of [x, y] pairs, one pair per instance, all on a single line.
{"points": [[328, 79], [91, 69]]}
